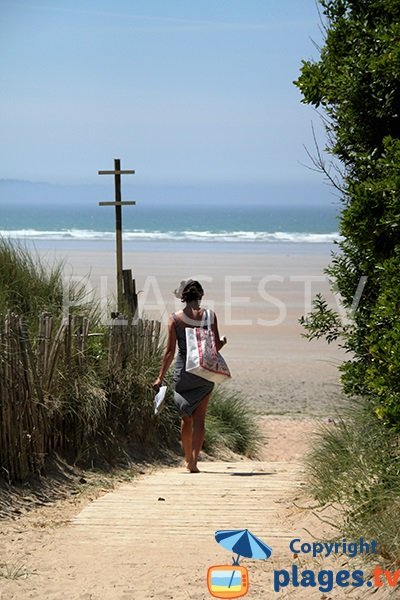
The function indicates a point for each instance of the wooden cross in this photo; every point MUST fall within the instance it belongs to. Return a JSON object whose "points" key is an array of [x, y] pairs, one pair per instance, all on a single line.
{"points": [[118, 223]]}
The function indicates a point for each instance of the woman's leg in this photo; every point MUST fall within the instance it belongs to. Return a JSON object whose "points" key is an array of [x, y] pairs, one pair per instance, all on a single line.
{"points": [[186, 437], [199, 416]]}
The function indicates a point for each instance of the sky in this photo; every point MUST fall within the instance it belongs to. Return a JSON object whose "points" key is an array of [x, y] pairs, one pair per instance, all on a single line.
{"points": [[182, 91]]}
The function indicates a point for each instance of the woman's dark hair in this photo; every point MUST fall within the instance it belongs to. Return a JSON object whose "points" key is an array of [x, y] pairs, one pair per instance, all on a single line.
{"points": [[192, 291]]}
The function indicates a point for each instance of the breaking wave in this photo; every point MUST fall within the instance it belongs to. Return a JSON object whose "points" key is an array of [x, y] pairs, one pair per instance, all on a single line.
{"points": [[196, 236]]}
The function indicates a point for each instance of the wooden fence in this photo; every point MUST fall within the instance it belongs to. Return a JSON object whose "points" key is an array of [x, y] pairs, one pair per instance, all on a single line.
{"points": [[33, 369]]}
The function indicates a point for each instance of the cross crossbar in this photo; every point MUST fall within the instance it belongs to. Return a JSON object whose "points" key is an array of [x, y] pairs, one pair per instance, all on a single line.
{"points": [[117, 172], [123, 203]]}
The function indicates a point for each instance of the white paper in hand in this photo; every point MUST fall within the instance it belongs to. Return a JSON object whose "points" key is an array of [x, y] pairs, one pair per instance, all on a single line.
{"points": [[159, 399]]}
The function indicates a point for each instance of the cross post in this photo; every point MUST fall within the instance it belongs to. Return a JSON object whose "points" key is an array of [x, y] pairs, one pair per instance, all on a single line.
{"points": [[118, 204]]}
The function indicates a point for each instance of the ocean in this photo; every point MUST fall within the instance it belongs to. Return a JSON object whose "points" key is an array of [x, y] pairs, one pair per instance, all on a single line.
{"points": [[175, 227]]}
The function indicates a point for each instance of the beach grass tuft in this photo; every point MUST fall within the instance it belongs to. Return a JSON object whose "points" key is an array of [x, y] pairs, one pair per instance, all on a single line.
{"points": [[355, 463], [13, 571], [30, 286], [231, 425]]}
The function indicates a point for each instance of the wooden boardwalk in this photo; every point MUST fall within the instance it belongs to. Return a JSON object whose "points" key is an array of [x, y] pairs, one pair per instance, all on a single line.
{"points": [[174, 505], [153, 538], [165, 524]]}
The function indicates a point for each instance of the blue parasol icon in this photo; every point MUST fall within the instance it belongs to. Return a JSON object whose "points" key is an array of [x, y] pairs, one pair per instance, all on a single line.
{"points": [[242, 543]]}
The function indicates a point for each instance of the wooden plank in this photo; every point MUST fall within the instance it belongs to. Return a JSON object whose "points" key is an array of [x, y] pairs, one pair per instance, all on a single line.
{"points": [[131, 511], [54, 352], [29, 362], [85, 336], [40, 348], [111, 346], [122, 203], [134, 300], [157, 331], [140, 338], [129, 292], [48, 329]]}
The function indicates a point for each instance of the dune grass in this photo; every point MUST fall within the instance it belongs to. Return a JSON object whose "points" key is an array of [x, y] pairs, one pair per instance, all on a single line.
{"points": [[231, 425], [30, 286], [355, 464], [131, 405]]}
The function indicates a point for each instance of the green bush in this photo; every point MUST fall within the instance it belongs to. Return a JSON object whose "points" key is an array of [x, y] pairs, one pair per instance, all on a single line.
{"points": [[356, 82]]}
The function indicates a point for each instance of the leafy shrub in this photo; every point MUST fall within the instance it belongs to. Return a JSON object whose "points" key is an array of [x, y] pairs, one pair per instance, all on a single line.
{"points": [[356, 82]]}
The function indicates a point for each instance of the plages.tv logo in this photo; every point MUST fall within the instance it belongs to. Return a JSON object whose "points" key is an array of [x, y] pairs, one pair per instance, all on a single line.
{"points": [[326, 579], [232, 581]]}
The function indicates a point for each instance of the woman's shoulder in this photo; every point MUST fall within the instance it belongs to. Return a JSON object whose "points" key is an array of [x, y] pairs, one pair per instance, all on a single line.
{"points": [[177, 315]]}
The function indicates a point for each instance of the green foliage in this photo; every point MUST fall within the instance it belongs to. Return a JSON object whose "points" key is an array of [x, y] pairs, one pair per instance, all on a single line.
{"points": [[357, 79], [382, 373], [230, 424], [356, 82], [322, 322], [97, 349], [27, 287]]}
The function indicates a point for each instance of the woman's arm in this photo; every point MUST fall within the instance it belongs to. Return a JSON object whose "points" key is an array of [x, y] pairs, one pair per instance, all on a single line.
{"points": [[168, 355], [219, 342]]}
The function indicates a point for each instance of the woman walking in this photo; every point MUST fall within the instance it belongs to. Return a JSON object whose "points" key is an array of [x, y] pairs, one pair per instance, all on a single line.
{"points": [[191, 392]]}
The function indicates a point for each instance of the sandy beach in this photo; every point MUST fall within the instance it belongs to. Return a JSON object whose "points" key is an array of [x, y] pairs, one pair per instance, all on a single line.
{"points": [[258, 299]]}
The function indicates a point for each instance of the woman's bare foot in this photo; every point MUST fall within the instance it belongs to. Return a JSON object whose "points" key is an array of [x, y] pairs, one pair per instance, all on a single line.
{"points": [[192, 466]]}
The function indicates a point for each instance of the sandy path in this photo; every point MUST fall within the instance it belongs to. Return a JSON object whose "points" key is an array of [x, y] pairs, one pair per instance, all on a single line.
{"points": [[153, 537]]}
